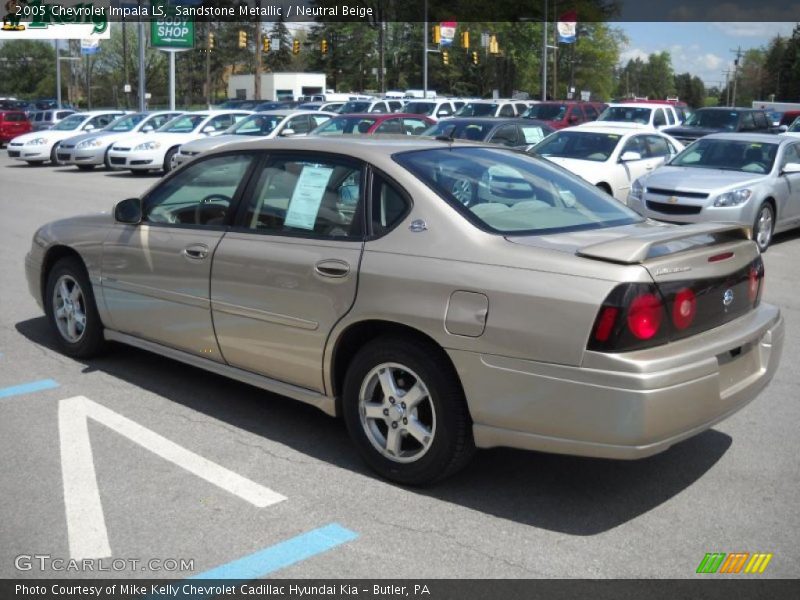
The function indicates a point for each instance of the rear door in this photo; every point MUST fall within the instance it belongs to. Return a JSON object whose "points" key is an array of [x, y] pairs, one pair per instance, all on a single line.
{"points": [[287, 271], [787, 188]]}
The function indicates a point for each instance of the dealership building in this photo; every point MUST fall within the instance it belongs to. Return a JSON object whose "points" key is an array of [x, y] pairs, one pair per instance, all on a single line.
{"points": [[276, 86]]}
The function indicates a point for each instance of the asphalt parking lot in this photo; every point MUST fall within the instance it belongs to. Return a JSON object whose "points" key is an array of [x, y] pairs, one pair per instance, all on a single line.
{"points": [[291, 471]]}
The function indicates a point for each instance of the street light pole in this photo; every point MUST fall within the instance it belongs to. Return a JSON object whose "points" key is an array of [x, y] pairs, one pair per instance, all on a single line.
{"points": [[58, 73], [544, 55], [141, 66]]}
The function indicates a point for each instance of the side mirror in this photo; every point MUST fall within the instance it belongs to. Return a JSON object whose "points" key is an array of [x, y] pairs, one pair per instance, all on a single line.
{"points": [[629, 156], [209, 129], [89, 127], [147, 129], [128, 211], [783, 128], [790, 168], [287, 132], [573, 119]]}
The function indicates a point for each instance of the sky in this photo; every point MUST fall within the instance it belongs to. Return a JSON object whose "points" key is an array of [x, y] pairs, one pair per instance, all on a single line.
{"points": [[702, 49]]}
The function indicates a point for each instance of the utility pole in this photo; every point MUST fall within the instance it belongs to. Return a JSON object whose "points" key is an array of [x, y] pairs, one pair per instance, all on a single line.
{"points": [[425, 53], [125, 57], [727, 88], [555, 50], [257, 41], [208, 64], [738, 53], [544, 54], [58, 73]]}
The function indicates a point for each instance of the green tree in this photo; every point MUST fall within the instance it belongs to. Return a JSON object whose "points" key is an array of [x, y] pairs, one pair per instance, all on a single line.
{"points": [[280, 57], [28, 69]]}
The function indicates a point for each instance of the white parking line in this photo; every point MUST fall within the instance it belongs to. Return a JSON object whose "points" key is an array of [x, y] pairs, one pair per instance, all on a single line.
{"points": [[86, 528]]}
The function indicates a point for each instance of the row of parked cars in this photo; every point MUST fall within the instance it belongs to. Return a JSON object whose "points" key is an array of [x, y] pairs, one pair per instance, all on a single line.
{"points": [[632, 151]]}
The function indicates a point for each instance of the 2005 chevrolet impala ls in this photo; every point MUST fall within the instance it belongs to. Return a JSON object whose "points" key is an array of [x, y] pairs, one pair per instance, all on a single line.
{"points": [[438, 295]]}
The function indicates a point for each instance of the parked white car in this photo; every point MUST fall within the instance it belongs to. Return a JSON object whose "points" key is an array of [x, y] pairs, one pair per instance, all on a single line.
{"points": [[38, 147], [264, 125], [155, 151], [370, 106], [493, 108], [610, 157], [654, 116]]}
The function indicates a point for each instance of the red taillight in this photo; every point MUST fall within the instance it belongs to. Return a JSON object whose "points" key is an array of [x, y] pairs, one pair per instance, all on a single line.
{"points": [[644, 316], [684, 308], [752, 284], [605, 323]]}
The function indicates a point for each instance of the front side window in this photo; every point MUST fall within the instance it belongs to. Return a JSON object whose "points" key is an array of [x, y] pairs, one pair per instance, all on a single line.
{"points": [[587, 145], [714, 119], [477, 109], [413, 126], [101, 121], [657, 146], [299, 124], [201, 194], [390, 126], [506, 135], [547, 112], [126, 123], [158, 120], [257, 125], [727, 155], [70, 123], [354, 107], [346, 126], [636, 144], [507, 110], [659, 120], [509, 193], [307, 197], [184, 124]]}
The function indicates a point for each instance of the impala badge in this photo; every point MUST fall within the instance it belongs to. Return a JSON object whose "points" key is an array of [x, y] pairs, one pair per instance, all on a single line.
{"points": [[672, 199], [727, 297]]}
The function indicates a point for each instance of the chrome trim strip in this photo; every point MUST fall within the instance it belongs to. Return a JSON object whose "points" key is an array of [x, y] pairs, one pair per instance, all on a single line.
{"points": [[144, 290], [262, 315]]}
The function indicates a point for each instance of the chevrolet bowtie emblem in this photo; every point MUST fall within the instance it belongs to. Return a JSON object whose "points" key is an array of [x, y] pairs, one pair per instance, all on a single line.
{"points": [[672, 199]]}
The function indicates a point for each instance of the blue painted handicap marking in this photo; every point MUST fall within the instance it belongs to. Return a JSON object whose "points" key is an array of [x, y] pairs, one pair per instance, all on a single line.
{"points": [[260, 563], [28, 388]]}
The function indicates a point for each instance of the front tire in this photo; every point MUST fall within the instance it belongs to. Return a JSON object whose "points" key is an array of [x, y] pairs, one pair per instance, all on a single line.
{"points": [[71, 309], [54, 155], [168, 159], [764, 226], [406, 412]]}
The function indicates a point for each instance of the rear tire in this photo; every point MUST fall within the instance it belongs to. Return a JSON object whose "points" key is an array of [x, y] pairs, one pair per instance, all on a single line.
{"points": [[71, 309], [764, 226], [107, 160], [54, 155], [406, 412]]}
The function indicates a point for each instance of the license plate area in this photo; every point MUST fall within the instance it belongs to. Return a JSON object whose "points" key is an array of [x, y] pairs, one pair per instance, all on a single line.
{"points": [[737, 367]]}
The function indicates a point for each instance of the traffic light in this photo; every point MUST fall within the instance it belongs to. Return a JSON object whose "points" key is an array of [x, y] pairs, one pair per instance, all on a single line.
{"points": [[494, 47], [475, 58], [242, 39], [323, 46], [210, 40], [437, 34], [265, 43], [296, 47], [465, 39], [445, 57]]}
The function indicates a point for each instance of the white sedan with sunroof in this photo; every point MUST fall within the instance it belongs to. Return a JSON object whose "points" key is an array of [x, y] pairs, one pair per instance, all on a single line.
{"points": [[156, 150]]}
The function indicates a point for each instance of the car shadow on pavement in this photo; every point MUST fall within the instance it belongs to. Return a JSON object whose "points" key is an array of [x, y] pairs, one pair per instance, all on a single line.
{"points": [[566, 494]]}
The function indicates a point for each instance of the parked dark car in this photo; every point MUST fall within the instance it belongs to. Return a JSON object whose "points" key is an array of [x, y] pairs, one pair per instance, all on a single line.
{"points": [[377, 123], [559, 115], [706, 121], [12, 124], [515, 133]]}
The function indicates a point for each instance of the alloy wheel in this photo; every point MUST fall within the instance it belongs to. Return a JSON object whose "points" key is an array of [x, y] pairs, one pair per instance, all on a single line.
{"points": [[69, 308]]}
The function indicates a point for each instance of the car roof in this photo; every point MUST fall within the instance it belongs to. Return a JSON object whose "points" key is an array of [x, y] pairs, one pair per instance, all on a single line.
{"points": [[620, 127], [761, 138], [638, 105]]}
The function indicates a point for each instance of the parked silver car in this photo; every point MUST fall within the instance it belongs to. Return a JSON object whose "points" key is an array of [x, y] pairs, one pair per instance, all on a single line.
{"points": [[752, 179], [88, 150], [45, 119], [346, 273]]}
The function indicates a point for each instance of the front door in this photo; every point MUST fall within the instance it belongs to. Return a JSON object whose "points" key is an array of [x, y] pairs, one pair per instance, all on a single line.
{"points": [[156, 274], [287, 272]]}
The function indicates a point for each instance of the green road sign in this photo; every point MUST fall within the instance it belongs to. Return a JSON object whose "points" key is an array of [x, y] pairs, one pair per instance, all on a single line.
{"points": [[171, 32]]}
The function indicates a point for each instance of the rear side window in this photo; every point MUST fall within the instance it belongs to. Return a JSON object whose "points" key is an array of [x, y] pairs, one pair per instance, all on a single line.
{"points": [[659, 119], [389, 206], [507, 111]]}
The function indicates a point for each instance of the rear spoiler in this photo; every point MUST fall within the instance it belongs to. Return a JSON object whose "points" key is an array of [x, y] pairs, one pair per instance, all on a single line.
{"points": [[635, 249]]}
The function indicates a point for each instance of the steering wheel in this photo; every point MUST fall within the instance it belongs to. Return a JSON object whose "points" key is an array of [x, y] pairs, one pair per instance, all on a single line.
{"points": [[198, 210]]}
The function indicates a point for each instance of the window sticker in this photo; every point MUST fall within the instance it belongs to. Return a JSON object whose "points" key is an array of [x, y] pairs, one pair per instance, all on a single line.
{"points": [[307, 197]]}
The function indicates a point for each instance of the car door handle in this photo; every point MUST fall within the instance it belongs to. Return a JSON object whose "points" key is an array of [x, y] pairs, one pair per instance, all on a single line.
{"points": [[332, 268], [196, 251]]}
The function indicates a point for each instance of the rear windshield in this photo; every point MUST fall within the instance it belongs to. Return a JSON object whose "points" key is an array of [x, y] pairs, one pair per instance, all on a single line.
{"points": [[626, 114], [583, 145], [728, 155], [505, 192], [714, 119], [354, 107], [546, 112], [12, 117]]}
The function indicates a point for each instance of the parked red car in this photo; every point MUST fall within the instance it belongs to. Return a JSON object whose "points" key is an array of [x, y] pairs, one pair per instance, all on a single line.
{"points": [[375, 123], [12, 124], [560, 114]]}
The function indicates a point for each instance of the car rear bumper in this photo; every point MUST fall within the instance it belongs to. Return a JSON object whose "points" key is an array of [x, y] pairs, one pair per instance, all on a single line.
{"points": [[623, 406]]}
